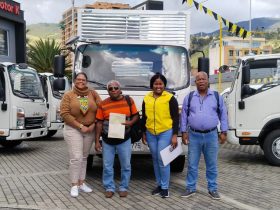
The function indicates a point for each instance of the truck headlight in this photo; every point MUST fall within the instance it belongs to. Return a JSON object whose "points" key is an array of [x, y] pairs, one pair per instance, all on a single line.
{"points": [[45, 120], [58, 117], [20, 118]]}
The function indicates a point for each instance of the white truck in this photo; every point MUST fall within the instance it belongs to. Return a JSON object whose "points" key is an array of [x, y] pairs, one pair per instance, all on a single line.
{"points": [[131, 46], [23, 111], [254, 105], [54, 121]]}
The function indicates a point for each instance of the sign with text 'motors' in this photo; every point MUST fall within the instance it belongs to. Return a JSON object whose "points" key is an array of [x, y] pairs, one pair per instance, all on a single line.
{"points": [[10, 7]]}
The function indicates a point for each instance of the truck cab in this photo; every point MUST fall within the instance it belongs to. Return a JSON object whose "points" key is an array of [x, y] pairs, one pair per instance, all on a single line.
{"points": [[53, 97], [23, 111], [253, 105]]}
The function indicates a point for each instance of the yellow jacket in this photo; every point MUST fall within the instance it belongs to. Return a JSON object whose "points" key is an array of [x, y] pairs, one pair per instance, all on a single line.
{"points": [[157, 112]]}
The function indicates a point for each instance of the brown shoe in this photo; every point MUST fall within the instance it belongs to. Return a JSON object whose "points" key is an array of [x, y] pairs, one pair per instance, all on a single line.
{"points": [[123, 194], [109, 194]]}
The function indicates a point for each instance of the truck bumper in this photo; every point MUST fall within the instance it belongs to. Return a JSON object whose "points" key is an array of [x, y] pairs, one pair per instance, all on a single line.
{"points": [[26, 134], [56, 126]]}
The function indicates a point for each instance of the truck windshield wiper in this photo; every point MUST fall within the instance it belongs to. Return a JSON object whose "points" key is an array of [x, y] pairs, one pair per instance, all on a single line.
{"points": [[98, 83], [22, 93]]}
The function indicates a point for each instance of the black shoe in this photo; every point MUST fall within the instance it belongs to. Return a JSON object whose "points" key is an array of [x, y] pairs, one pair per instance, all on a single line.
{"points": [[187, 193], [164, 193], [215, 195], [156, 191]]}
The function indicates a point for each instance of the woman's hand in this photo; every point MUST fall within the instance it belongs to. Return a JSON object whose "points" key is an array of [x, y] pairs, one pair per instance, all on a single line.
{"points": [[174, 141], [91, 128], [84, 129]]}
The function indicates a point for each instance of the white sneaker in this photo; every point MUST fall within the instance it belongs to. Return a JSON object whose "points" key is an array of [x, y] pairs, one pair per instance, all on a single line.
{"points": [[74, 191], [85, 188]]}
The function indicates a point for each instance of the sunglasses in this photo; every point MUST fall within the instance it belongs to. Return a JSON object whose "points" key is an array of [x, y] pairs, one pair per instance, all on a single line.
{"points": [[113, 88]]}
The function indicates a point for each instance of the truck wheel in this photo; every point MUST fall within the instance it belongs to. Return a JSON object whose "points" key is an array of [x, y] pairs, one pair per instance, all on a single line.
{"points": [[10, 144], [89, 161], [178, 164], [51, 133], [271, 147]]}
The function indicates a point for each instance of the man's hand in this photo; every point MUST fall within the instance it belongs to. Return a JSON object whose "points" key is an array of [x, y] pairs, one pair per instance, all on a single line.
{"points": [[185, 138], [222, 138], [144, 140], [98, 147]]}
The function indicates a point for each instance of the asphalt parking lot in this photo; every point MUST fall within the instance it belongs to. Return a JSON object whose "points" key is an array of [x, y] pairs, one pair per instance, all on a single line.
{"points": [[35, 176]]}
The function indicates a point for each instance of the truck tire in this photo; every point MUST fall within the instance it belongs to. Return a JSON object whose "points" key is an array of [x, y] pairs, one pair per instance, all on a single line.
{"points": [[51, 133], [271, 147], [10, 144], [178, 164]]}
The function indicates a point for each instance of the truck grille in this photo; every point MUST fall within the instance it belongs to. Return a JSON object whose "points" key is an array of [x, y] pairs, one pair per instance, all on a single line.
{"points": [[33, 122]]}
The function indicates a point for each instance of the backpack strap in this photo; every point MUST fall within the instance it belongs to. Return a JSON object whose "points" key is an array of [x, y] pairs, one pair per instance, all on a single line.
{"points": [[189, 102], [127, 98], [217, 96]]}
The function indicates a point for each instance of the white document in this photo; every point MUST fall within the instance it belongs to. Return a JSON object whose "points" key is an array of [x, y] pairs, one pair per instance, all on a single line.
{"points": [[168, 153], [116, 128]]}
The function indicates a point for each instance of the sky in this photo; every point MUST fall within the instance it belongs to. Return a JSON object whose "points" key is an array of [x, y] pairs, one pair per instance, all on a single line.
{"points": [[50, 11]]}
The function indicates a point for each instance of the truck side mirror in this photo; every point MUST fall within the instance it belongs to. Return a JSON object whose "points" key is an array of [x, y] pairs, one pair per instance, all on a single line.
{"points": [[59, 66], [59, 84], [246, 74], [203, 64]]}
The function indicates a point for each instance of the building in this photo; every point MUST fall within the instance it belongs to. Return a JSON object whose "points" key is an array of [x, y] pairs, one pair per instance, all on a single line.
{"points": [[149, 5], [232, 49], [12, 32], [66, 24]]}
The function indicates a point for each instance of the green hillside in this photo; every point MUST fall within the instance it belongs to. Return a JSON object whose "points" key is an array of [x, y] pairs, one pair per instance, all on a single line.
{"points": [[44, 31]]}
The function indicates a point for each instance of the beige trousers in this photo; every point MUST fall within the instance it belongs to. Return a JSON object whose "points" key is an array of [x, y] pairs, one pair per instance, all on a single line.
{"points": [[79, 145]]}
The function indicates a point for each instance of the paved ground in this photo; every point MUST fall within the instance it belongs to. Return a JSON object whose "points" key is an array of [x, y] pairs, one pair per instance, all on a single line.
{"points": [[35, 176]]}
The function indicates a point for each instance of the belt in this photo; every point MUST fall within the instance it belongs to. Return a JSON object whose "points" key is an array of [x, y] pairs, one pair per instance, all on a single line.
{"points": [[203, 131]]}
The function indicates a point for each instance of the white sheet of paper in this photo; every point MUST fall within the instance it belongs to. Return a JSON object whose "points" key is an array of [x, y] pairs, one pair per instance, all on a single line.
{"points": [[116, 129], [167, 154]]}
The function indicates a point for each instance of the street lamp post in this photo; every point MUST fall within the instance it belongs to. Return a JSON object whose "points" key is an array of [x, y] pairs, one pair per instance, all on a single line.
{"points": [[250, 27]]}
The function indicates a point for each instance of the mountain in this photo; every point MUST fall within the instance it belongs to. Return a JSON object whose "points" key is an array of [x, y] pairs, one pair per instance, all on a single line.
{"points": [[44, 31], [258, 24]]}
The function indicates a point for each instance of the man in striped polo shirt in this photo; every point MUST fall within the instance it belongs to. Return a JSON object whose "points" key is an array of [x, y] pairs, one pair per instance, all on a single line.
{"points": [[116, 103]]}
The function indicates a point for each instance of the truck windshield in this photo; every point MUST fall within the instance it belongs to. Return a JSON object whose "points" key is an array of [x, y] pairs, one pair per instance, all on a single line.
{"points": [[133, 65], [25, 83]]}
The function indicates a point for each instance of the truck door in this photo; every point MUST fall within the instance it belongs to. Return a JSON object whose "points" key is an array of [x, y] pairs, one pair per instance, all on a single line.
{"points": [[260, 97], [4, 106]]}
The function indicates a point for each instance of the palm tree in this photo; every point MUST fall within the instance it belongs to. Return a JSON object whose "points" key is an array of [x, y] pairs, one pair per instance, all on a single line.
{"points": [[41, 54]]}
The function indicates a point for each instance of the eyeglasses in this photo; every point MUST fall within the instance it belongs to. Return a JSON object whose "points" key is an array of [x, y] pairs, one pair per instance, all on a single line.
{"points": [[113, 88]]}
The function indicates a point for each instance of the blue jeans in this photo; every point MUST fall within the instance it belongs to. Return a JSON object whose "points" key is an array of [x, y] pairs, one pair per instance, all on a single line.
{"points": [[156, 144], [206, 143], [124, 153]]}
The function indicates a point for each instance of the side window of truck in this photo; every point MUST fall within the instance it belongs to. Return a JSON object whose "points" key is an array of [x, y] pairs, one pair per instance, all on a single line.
{"points": [[2, 85], [265, 74]]}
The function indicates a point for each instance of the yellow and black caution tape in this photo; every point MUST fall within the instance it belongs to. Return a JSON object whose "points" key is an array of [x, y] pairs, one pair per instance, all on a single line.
{"points": [[239, 31]]}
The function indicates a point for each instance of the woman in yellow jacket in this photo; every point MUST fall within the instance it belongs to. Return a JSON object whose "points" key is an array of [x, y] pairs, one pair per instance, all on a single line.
{"points": [[161, 119]]}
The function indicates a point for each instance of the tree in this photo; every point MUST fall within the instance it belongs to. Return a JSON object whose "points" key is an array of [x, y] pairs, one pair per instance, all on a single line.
{"points": [[41, 54]]}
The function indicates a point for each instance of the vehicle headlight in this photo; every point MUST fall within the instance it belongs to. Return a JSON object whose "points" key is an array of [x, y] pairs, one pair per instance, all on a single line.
{"points": [[20, 118], [58, 117], [45, 120]]}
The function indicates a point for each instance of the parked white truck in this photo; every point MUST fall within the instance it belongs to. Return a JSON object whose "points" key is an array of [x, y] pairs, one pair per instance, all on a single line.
{"points": [[23, 113], [54, 121], [131, 46], [254, 105]]}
